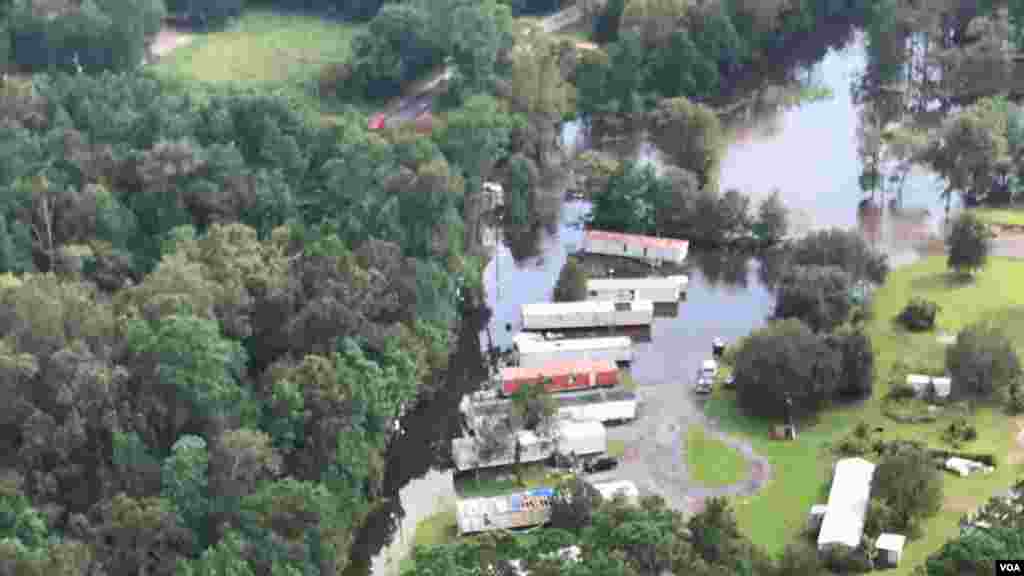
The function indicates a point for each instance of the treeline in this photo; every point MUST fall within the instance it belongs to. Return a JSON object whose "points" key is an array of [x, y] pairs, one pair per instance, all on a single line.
{"points": [[217, 313], [661, 50]]}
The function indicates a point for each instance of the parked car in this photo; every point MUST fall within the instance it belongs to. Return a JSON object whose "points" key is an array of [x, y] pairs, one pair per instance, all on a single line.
{"points": [[601, 464], [706, 377]]}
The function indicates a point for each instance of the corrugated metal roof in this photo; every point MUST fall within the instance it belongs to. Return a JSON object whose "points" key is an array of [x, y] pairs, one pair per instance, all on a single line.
{"points": [[559, 368], [634, 283], [584, 307], [637, 239], [847, 503], [537, 345]]}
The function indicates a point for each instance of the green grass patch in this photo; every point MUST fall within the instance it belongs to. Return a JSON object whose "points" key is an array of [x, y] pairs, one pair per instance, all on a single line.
{"points": [[616, 448], [800, 468], [627, 381], [1001, 216], [711, 462], [495, 482], [266, 50]]}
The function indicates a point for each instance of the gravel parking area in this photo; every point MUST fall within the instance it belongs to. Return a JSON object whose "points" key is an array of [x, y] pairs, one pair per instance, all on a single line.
{"points": [[655, 456]]}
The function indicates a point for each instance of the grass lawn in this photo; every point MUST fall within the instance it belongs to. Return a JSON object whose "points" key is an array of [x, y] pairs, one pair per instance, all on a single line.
{"points": [[711, 462], [432, 531], [1004, 216], [802, 468], [263, 49]]}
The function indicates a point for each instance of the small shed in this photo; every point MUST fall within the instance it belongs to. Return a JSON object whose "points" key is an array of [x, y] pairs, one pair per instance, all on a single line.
{"points": [[625, 488], [890, 548], [815, 517]]}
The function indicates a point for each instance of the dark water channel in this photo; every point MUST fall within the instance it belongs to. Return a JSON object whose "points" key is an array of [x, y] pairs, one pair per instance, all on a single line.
{"points": [[808, 153]]}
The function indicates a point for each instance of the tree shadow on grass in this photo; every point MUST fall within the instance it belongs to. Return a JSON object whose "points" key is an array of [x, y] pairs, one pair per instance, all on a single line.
{"points": [[940, 281]]}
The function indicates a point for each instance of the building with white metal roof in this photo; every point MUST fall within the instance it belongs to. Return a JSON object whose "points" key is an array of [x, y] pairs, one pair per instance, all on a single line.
{"points": [[847, 504]]}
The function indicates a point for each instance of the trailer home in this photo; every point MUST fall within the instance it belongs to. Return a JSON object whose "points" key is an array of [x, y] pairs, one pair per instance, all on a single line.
{"points": [[648, 248], [667, 290], [587, 314], [584, 439], [561, 376], [608, 406], [533, 351], [847, 506], [519, 510]]}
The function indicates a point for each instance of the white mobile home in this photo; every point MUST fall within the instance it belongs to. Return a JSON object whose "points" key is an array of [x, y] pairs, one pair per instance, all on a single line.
{"points": [[847, 504], [607, 406], [587, 314], [518, 510], [647, 248], [533, 351], [668, 289]]}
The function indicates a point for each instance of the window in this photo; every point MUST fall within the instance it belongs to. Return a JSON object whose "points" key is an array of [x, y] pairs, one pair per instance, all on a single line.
{"points": [[622, 307], [593, 293]]}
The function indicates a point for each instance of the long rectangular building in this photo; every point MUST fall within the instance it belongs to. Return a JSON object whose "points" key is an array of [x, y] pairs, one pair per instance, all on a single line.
{"points": [[647, 248], [668, 289], [530, 350], [847, 504], [586, 314]]}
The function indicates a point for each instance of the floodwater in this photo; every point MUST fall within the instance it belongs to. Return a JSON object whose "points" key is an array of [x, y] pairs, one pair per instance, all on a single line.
{"points": [[808, 153]]}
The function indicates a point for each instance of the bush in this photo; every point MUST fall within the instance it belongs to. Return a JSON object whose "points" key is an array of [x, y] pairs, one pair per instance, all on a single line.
{"points": [[843, 560], [333, 79], [918, 315], [572, 283], [959, 431], [902, 391]]}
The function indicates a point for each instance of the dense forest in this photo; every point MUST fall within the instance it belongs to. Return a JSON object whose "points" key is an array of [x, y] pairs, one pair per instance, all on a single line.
{"points": [[214, 310]]}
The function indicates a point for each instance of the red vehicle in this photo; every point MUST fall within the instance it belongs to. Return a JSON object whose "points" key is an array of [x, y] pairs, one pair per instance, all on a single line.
{"points": [[377, 121], [562, 376]]}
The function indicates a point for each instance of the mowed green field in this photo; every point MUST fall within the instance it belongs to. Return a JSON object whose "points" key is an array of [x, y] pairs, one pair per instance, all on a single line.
{"points": [[711, 462], [801, 469], [263, 49]]}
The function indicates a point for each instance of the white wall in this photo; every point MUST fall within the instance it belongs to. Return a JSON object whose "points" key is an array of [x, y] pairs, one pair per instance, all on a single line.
{"points": [[421, 499]]}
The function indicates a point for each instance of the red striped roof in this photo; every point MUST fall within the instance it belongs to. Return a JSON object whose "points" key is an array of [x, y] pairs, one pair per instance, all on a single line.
{"points": [[552, 369], [637, 239]]}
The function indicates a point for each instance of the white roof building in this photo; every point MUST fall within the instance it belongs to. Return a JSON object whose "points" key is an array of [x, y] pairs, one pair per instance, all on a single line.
{"points": [[847, 504]]}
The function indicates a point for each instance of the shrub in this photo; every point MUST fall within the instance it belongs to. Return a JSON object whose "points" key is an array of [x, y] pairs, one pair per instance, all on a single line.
{"points": [[918, 315], [959, 431], [332, 79], [857, 363], [843, 560], [572, 283], [902, 391]]}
